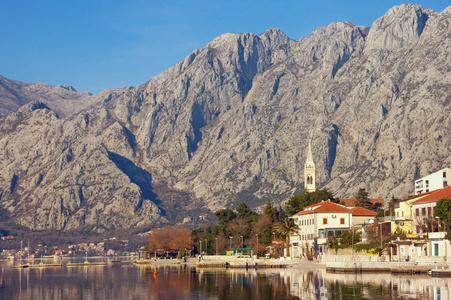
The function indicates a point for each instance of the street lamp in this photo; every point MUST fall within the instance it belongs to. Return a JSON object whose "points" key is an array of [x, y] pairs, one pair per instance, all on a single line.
{"points": [[274, 234], [242, 243], [438, 224], [216, 242], [381, 236], [352, 242], [206, 247], [256, 250], [230, 237]]}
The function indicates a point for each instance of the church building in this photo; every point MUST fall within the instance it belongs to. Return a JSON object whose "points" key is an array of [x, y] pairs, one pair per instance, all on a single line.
{"points": [[309, 172]]}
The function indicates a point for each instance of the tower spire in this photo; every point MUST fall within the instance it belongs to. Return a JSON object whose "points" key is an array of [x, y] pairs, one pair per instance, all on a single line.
{"points": [[309, 171], [309, 154]]}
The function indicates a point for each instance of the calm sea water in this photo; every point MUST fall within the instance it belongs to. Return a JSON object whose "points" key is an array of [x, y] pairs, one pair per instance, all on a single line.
{"points": [[133, 282]]}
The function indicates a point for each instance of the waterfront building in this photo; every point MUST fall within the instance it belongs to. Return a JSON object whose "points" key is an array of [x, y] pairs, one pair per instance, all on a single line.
{"points": [[434, 181], [423, 211], [402, 219], [316, 223], [362, 216]]}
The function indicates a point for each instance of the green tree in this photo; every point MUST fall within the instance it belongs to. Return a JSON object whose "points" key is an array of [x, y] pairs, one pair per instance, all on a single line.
{"points": [[443, 211], [244, 212], [269, 210], [279, 214], [391, 205], [286, 228], [297, 203], [225, 216], [362, 200]]}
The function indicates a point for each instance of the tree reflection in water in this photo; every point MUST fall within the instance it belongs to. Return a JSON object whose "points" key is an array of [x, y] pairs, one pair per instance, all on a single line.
{"points": [[182, 282], [189, 283]]}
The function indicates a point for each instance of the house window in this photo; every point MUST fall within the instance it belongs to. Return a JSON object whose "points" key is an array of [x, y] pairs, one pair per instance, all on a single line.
{"points": [[418, 228], [423, 211], [342, 221], [429, 211], [324, 220], [444, 174], [417, 212]]}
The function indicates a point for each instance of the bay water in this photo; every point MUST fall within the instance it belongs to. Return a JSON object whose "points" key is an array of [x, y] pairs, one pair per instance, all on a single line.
{"points": [[186, 282]]}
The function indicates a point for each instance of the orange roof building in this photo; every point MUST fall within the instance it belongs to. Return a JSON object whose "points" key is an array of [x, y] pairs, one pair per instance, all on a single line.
{"points": [[361, 211], [316, 223], [423, 210], [362, 216], [350, 202]]}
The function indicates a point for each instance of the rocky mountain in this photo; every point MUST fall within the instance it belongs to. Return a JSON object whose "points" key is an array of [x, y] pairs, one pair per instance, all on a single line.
{"points": [[231, 123], [64, 100]]}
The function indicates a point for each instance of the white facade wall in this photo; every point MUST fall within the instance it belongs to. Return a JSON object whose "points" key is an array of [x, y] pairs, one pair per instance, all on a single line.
{"points": [[316, 226], [420, 211], [434, 181]]}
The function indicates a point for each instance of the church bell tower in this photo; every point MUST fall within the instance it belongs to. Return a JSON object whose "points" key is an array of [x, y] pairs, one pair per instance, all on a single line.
{"points": [[309, 172]]}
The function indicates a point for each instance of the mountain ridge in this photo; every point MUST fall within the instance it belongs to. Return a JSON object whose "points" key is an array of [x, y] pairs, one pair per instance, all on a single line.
{"points": [[230, 123]]}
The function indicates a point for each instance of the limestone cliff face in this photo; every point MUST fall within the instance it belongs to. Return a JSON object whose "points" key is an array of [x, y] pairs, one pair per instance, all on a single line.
{"points": [[64, 100], [231, 123]]}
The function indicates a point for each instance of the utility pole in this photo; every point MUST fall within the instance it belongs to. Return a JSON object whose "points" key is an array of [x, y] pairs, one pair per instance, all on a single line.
{"points": [[381, 237], [256, 250]]}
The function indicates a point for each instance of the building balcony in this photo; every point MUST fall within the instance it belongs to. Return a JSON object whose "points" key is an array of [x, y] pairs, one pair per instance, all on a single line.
{"points": [[436, 235], [321, 241], [393, 218]]}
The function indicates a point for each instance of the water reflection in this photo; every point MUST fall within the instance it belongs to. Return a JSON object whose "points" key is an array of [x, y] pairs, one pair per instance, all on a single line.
{"points": [[182, 282], [189, 283], [366, 286]]}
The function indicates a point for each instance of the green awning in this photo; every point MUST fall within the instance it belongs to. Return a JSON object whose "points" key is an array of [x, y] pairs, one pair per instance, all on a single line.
{"points": [[242, 249]]}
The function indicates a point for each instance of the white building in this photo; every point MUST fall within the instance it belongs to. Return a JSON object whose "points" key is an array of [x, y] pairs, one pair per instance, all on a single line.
{"points": [[316, 223], [434, 181]]}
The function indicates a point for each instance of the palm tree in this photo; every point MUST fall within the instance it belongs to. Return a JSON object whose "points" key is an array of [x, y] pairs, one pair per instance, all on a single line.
{"points": [[286, 227]]}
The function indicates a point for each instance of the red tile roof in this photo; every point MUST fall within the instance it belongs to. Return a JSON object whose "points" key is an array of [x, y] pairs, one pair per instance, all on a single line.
{"points": [[324, 206], [417, 196], [360, 211], [436, 195], [351, 201]]}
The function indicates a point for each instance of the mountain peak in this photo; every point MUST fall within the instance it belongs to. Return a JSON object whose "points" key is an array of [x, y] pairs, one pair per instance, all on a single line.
{"points": [[400, 27], [231, 122]]}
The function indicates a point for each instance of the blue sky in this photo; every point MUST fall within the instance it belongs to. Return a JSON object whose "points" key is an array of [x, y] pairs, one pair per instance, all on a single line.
{"points": [[98, 44]]}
